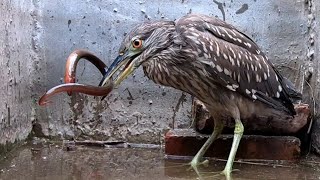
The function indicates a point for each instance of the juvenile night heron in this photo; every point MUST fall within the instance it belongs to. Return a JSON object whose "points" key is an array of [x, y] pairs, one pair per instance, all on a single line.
{"points": [[213, 61]]}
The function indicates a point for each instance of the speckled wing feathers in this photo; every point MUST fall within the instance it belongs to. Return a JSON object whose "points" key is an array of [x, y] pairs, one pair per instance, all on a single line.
{"points": [[234, 60]]}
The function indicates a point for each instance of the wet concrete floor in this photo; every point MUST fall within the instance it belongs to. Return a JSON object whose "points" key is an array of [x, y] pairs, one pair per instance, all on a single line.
{"points": [[52, 162]]}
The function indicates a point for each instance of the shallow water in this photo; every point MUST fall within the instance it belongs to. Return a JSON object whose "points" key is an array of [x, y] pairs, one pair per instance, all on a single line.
{"points": [[51, 162]]}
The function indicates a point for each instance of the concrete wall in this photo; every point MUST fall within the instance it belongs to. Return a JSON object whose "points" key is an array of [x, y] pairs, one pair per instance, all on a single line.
{"points": [[18, 62], [314, 43], [139, 110]]}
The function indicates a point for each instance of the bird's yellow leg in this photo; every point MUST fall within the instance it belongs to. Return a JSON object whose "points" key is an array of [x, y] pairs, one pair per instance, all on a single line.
{"points": [[238, 131], [218, 126]]}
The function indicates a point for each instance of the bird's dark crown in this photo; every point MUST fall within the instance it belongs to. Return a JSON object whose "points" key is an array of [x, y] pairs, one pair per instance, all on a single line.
{"points": [[143, 31]]}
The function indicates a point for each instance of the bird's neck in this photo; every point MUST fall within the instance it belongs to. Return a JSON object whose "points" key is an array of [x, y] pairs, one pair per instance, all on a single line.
{"points": [[171, 71]]}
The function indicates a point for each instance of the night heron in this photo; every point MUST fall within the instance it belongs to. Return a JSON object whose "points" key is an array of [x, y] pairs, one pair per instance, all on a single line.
{"points": [[213, 61]]}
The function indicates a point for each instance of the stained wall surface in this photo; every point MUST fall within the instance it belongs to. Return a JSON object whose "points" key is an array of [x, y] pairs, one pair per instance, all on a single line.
{"points": [[41, 34], [19, 64]]}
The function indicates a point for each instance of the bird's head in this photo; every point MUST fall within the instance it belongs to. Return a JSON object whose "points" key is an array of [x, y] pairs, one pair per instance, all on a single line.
{"points": [[141, 44]]}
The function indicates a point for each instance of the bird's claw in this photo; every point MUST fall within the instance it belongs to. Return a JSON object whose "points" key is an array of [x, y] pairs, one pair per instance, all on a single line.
{"points": [[227, 173], [195, 163]]}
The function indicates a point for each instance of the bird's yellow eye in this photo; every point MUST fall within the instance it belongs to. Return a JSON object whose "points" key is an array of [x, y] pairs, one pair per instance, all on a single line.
{"points": [[137, 43]]}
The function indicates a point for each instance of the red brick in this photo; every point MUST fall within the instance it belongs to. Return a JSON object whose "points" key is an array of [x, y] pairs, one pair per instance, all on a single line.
{"points": [[186, 142]]}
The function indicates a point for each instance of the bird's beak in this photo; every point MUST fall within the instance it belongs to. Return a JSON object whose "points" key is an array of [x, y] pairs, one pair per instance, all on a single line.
{"points": [[124, 64]]}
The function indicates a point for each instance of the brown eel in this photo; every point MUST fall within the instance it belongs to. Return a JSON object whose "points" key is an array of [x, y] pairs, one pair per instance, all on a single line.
{"points": [[70, 78], [75, 87], [72, 61]]}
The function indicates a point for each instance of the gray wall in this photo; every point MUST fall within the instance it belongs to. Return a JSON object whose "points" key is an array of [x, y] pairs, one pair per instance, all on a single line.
{"points": [[19, 64], [43, 33], [314, 44]]}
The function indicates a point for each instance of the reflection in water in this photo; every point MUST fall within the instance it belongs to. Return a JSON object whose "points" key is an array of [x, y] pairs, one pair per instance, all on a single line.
{"points": [[51, 162]]}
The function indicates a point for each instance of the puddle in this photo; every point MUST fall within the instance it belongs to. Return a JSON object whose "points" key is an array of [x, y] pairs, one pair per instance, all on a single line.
{"points": [[51, 162]]}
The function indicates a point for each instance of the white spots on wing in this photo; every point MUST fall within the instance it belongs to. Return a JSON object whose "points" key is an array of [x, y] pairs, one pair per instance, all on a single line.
{"points": [[159, 67], [235, 86], [239, 55], [258, 78], [218, 50], [227, 33], [210, 47], [231, 60], [217, 29], [243, 63], [260, 67], [225, 56], [209, 27], [219, 68], [253, 91], [227, 72], [232, 51], [248, 77], [239, 40], [277, 94], [276, 77], [267, 65], [195, 34], [232, 31], [204, 47], [238, 62], [234, 75], [232, 87], [248, 68], [246, 56], [265, 76], [212, 64], [252, 67], [208, 62], [194, 39], [237, 33], [258, 51], [239, 77], [280, 88], [248, 45], [254, 96]]}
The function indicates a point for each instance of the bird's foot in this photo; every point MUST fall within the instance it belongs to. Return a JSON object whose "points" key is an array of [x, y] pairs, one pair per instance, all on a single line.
{"points": [[227, 173], [195, 163]]}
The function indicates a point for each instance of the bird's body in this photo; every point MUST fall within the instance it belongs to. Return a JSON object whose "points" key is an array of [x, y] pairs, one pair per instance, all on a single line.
{"points": [[213, 61], [217, 69]]}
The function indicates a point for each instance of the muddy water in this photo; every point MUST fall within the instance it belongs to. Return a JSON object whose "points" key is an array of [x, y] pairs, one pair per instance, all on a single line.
{"points": [[51, 162]]}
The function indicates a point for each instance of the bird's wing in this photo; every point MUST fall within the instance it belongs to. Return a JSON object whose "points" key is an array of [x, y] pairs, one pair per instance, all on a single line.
{"points": [[233, 60]]}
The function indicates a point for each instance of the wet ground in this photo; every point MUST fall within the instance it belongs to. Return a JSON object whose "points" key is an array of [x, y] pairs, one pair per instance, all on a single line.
{"points": [[52, 162]]}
